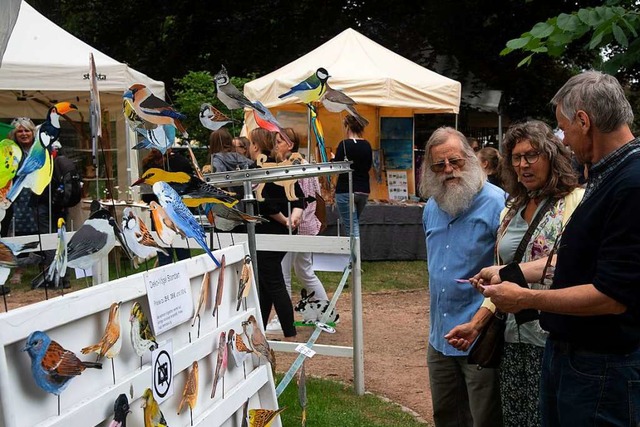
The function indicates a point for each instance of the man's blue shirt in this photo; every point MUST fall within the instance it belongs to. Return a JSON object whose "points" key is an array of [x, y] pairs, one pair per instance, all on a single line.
{"points": [[457, 248]]}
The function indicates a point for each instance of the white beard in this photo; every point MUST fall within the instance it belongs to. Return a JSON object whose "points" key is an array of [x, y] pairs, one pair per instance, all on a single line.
{"points": [[455, 197]]}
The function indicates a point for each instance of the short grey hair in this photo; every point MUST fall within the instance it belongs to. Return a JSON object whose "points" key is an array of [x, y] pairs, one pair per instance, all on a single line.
{"points": [[600, 95]]}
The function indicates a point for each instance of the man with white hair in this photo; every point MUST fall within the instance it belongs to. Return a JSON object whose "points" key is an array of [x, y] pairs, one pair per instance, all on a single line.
{"points": [[460, 222]]}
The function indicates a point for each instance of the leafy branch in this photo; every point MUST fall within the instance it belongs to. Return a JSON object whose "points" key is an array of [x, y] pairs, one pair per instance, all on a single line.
{"points": [[613, 29]]}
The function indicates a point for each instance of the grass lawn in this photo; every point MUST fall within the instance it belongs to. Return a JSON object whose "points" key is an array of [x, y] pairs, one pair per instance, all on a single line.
{"points": [[331, 404]]}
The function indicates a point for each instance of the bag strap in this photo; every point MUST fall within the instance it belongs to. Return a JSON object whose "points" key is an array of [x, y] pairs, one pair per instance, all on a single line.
{"points": [[517, 257]]}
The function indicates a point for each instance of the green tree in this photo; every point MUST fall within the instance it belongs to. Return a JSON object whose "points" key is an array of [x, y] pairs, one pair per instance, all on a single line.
{"points": [[196, 88], [607, 33]]}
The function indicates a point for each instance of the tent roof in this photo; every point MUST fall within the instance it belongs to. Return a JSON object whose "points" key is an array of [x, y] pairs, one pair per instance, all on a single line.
{"points": [[42, 56], [367, 72]]}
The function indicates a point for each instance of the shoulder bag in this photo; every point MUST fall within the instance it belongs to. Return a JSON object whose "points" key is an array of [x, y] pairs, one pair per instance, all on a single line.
{"points": [[487, 350]]}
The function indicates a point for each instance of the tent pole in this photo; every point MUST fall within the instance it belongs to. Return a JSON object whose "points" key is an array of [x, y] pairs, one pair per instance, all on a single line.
{"points": [[310, 153], [499, 130]]}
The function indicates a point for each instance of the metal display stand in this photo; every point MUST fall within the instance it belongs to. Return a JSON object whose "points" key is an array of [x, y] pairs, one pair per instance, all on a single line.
{"points": [[248, 177]]}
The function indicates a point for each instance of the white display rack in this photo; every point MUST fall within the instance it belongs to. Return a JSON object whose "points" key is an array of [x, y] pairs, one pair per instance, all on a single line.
{"points": [[78, 319]]}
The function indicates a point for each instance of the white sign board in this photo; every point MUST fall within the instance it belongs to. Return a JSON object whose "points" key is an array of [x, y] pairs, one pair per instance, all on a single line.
{"points": [[162, 371], [397, 185], [169, 295]]}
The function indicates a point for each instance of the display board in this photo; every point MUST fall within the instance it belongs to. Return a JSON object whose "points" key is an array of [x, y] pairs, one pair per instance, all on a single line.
{"points": [[78, 319]]}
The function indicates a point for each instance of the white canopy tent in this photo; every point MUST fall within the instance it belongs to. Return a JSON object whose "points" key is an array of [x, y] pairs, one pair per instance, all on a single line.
{"points": [[10, 9], [44, 63], [368, 72], [381, 82]]}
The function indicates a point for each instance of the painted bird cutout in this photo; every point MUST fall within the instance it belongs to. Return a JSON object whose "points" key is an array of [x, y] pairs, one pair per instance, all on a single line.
{"points": [[36, 169], [212, 118], [237, 347], [133, 119], [58, 267], [120, 411], [10, 157], [221, 364], [111, 342], [311, 88], [52, 366], [226, 219], [244, 284], [161, 137], [181, 217], [192, 190], [138, 238], [302, 394], [94, 240], [142, 338], [266, 120], [337, 101], [263, 417], [153, 109], [190, 391], [258, 341], [228, 94], [165, 228], [318, 132], [153, 416], [8, 256], [220, 287], [203, 299]]}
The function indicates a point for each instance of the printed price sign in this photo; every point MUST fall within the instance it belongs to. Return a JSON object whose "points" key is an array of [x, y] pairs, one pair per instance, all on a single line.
{"points": [[169, 295], [303, 349]]}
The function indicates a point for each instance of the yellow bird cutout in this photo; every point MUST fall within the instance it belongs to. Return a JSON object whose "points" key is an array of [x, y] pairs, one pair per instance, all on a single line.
{"points": [[263, 417]]}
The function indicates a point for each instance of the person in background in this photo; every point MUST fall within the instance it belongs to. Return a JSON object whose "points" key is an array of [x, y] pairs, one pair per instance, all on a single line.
{"points": [[273, 291], [29, 216], [474, 144], [224, 156], [174, 162], [53, 196], [538, 169], [591, 362], [241, 145], [358, 150], [302, 262], [490, 160], [460, 220]]}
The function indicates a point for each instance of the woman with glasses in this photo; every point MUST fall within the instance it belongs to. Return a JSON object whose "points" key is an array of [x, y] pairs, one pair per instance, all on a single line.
{"points": [[539, 179]]}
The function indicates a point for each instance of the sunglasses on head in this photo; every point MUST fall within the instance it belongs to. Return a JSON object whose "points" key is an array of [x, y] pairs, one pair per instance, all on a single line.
{"points": [[454, 163]]}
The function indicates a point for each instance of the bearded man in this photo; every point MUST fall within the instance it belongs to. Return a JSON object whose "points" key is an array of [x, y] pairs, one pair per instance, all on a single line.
{"points": [[460, 222]]}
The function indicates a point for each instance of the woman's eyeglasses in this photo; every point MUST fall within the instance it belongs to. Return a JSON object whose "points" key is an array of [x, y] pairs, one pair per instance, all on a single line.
{"points": [[531, 157], [441, 166]]}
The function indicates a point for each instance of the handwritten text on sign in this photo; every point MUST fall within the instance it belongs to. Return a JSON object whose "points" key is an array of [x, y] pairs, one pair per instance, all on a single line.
{"points": [[169, 294]]}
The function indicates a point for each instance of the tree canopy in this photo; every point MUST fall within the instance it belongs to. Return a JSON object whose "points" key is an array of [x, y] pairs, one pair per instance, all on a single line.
{"points": [[167, 40]]}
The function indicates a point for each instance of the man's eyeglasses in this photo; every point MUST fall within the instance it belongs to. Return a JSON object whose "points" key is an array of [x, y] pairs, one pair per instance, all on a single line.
{"points": [[531, 157], [441, 166]]}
